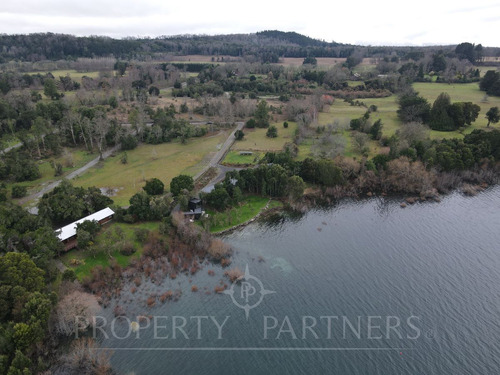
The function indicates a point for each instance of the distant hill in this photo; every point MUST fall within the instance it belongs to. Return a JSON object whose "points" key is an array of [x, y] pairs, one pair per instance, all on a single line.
{"points": [[295, 38], [265, 46]]}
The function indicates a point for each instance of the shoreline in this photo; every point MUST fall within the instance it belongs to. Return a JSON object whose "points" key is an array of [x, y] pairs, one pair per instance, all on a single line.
{"points": [[241, 225], [310, 201]]}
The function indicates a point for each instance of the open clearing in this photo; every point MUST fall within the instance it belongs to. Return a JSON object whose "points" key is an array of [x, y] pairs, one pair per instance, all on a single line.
{"points": [[163, 161], [465, 92], [246, 210], [256, 140], [88, 260], [78, 159], [235, 158], [76, 76]]}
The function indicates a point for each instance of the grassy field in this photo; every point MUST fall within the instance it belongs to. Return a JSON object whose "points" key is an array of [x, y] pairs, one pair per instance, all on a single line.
{"points": [[387, 107], [89, 261], [386, 111], [163, 161], [79, 158], [233, 216], [322, 61], [234, 158], [467, 92], [484, 69], [256, 140], [343, 113], [75, 76], [305, 149]]}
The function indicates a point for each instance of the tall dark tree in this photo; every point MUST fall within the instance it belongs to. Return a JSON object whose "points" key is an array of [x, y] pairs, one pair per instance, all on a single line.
{"points": [[478, 53], [262, 115], [493, 115], [154, 186], [439, 62], [239, 135], [466, 51], [439, 117], [50, 89], [413, 108], [489, 80], [180, 183]]}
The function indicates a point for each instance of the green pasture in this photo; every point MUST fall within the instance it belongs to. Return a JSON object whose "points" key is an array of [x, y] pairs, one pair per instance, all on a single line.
{"points": [[163, 161]]}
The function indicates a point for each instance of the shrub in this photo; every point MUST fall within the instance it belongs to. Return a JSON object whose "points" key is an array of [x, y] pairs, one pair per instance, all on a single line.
{"points": [[129, 142], [58, 169], [220, 288], [127, 248], [239, 135], [141, 235], [225, 262], [113, 102], [250, 124], [69, 275], [18, 191], [285, 125], [166, 296], [151, 301], [272, 132], [218, 249], [234, 274]]}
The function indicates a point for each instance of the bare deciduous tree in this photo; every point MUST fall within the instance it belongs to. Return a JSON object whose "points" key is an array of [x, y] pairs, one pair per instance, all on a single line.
{"points": [[86, 358], [413, 132], [75, 312], [359, 141], [100, 127]]}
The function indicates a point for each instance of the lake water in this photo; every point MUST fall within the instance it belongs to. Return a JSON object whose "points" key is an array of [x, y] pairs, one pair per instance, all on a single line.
{"points": [[422, 282]]}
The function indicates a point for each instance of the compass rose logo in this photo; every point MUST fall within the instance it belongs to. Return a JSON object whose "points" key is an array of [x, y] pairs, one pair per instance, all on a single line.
{"points": [[251, 293]]}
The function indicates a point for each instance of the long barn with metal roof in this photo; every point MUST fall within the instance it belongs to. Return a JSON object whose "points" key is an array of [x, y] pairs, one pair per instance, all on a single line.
{"points": [[67, 234]]}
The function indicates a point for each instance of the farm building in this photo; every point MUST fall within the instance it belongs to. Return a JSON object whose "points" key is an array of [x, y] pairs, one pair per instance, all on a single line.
{"points": [[67, 234]]}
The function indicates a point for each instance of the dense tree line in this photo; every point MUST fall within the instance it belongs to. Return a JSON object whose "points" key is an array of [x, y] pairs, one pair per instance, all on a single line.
{"points": [[27, 246], [446, 154], [67, 203], [443, 115], [447, 116], [278, 176], [265, 46]]}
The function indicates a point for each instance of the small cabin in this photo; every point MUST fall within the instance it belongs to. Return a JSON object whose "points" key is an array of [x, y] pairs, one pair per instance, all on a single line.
{"points": [[246, 153], [194, 203], [67, 234], [195, 208]]}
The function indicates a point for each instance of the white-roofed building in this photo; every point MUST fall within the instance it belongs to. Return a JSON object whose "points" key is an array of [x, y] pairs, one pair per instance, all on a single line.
{"points": [[67, 234]]}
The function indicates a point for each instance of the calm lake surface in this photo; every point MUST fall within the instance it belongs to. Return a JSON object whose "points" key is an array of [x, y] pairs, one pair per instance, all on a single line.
{"points": [[432, 267]]}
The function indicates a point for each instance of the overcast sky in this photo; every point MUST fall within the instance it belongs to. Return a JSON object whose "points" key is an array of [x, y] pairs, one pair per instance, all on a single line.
{"points": [[383, 22]]}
